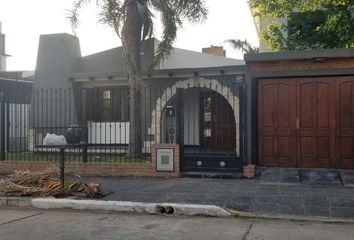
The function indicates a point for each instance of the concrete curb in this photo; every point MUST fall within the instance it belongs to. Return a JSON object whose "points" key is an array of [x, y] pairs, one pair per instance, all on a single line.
{"points": [[23, 202], [132, 207], [153, 208], [240, 214], [117, 206]]}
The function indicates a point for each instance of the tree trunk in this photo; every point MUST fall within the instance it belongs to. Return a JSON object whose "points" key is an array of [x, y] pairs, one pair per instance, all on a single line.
{"points": [[132, 41]]}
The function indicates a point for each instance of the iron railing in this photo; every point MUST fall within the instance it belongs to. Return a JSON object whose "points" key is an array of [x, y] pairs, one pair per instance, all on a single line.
{"points": [[204, 120]]}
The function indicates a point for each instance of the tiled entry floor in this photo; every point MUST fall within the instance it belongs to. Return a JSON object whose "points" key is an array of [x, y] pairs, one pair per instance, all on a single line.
{"points": [[297, 176]]}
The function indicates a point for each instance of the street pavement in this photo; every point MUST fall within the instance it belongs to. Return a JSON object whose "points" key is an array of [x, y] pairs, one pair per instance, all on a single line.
{"points": [[72, 225], [273, 192], [249, 195]]}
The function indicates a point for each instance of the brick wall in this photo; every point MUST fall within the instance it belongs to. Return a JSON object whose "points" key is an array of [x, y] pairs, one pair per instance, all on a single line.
{"points": [[147, 169], [302, 65], [176, 157]]}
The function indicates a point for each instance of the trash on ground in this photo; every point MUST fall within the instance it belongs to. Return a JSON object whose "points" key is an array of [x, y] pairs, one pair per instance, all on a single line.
{"points": [[46, 183], [54, 140]]}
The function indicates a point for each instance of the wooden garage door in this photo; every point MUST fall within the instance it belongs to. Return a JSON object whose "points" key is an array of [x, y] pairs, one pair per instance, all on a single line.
{"points": [[345, 122], [277, 115], [315, 118], [307, 122]]}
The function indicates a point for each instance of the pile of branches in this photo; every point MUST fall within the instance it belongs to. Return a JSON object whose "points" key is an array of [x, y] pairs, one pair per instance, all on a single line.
{"points": [[46, 183]]}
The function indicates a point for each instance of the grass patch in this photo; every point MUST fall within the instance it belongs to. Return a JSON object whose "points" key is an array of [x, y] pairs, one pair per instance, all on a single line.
{"points": [[75, 157]]}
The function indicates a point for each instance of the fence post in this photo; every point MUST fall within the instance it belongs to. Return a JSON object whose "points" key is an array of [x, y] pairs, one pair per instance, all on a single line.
{"points": [[84, 125], [2, 126], [180, 123]]}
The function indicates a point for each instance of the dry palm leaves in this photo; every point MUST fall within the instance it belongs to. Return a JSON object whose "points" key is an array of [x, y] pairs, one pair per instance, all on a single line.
{"points": [[46, 183], [93, 190]]}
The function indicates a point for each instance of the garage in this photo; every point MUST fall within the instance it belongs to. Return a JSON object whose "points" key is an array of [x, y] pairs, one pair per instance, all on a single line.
{"points": [[306, 122], [300, 109]]}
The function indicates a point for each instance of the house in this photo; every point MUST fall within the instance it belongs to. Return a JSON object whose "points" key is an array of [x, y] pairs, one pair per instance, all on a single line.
{"points": [[192, 99], [285, 109]]}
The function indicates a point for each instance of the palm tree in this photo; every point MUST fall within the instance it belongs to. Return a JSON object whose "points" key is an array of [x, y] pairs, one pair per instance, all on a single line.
{"points": [[242, 45], [132, 20]]}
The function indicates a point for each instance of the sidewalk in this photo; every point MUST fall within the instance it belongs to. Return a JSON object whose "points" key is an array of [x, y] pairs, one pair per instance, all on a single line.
{"points": [[255, 196], [272, 193]]}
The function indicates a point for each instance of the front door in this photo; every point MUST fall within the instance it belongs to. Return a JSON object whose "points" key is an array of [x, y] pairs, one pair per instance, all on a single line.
{"points": [[218, 128], [214, 148]]}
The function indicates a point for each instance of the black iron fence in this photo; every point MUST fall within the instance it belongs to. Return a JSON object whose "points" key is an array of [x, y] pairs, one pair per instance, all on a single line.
{"points": [[102, 117], [204, 120]]}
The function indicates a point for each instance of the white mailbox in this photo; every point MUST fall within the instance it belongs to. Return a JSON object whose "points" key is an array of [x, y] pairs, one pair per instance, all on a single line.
{"points": [[165, 159]]}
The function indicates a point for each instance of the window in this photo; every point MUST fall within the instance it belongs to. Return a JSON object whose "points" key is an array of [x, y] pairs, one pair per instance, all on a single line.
{"points": [[108, 105], [120, 109]]}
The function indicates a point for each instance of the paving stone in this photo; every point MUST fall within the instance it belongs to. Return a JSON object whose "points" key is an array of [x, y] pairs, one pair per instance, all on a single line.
{"points": [[279, 176], [320, 177], [342, 212], [316, 201], [347, 178], [241, 205], [317, 211], [276, 208], [341, 202], [291, 210]]}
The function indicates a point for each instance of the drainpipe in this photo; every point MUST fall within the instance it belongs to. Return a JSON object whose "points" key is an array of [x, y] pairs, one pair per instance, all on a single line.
{"points": [[243, 105]]}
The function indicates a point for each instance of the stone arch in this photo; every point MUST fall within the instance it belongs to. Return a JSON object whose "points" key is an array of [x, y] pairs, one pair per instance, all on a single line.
{"points": [[212, 84]]}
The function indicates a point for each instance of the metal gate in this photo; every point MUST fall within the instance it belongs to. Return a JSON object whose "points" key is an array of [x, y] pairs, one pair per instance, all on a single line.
{"points": [[204, 124]]}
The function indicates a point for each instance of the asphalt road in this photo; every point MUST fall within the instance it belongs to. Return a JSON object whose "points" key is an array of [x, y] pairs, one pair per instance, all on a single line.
{"points": [[72, 225]]}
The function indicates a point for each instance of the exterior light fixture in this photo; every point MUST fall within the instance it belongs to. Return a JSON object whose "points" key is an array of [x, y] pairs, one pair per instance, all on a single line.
{"points": [[320, 59], [239, 79]]}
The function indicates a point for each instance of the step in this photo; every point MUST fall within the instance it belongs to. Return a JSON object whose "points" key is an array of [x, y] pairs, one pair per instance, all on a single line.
{"points": [[218, 175]]}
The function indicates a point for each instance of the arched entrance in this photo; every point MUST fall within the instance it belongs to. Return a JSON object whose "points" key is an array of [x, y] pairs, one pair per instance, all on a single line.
{"points": [[217, 122], [206, 115]]}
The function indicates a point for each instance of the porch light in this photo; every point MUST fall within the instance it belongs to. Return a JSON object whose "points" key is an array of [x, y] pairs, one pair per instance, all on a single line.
{"points": [[239, 79], [320, 59]]}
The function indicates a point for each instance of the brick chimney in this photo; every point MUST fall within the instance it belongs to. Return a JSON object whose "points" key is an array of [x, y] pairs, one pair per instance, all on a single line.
{"points": [[215, 50]]}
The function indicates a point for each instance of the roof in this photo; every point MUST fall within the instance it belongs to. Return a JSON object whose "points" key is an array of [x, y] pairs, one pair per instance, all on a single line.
{"points": [[113, 60], [300, 54], [18, 75], [181, 58]]}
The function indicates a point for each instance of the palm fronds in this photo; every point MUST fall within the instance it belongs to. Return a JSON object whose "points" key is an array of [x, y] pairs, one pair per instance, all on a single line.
{"points": [[242, 45], [46, 183]]}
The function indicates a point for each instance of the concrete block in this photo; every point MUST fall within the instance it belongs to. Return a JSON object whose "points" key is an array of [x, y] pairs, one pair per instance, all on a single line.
{"points": [[3, 202], [347, 178], [18, 202], [131, 207], [249, 171]]}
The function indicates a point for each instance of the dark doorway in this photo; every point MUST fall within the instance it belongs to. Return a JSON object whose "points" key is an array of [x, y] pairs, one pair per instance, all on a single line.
{"points": [[213, 148], [217, 129]]}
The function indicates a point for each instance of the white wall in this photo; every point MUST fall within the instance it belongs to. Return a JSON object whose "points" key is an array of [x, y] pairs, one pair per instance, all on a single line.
{"points": [[191, 114], [18, 126], [108, 132]]}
